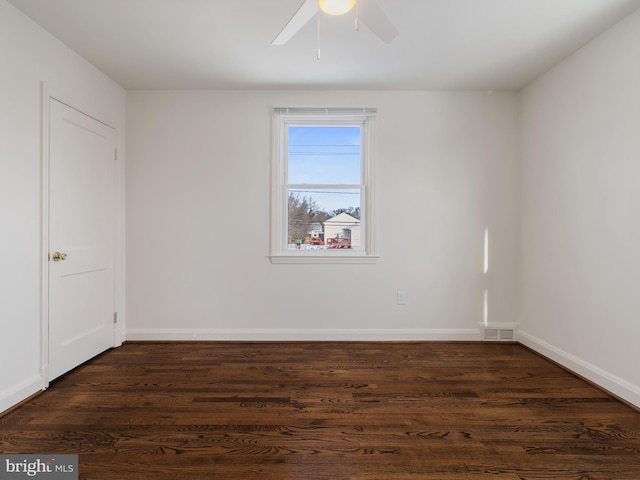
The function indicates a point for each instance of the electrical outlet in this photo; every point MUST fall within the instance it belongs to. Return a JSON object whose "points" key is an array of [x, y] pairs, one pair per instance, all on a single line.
{"points": [[402, 297]]}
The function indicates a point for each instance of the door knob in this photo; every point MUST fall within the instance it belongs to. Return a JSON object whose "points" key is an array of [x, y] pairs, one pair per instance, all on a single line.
{"points": [[57, 256]]}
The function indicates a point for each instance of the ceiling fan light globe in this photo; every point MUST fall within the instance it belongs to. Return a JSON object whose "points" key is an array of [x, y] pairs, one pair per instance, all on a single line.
{"points": [[336, 7]]}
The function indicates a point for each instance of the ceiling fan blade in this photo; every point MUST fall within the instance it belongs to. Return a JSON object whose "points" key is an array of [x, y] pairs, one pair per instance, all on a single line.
{"points": [[305, 13], [373, 17]]}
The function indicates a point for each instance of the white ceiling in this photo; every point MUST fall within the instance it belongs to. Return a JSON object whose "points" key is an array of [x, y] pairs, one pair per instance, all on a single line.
{"points": [[216, 44]]}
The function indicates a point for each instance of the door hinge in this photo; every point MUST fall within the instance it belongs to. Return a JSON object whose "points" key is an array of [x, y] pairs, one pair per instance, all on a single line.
{"points": [[115, 154], [115, 317]]}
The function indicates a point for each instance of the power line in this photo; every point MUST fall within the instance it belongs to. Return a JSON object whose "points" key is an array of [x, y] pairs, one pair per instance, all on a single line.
{"points": [[324, 191], [324, 154]]}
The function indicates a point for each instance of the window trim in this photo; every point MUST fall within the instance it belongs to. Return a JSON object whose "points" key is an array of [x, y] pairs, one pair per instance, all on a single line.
{"points": [[282, 118]]}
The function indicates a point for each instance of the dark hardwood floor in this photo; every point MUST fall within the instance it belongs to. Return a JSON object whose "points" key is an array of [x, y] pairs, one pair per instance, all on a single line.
{"points": [[392, 411]]}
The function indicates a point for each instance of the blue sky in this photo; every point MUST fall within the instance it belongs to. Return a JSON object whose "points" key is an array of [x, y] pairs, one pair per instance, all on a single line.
{"points": [[326, 155]]}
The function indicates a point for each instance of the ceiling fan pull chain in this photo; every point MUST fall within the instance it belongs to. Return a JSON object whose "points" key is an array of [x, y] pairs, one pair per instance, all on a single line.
{"points": [[357, 17], [318, 36]]}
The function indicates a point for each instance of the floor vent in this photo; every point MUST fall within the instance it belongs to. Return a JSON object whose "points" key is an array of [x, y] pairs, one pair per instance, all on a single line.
{"points": [[495, 333]]}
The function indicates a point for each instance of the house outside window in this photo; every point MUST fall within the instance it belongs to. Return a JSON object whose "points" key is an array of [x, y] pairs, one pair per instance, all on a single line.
{"points": [[322, 199]]}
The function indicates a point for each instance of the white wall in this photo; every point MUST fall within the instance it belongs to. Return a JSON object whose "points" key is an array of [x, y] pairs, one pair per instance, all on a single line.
{"points": [[29, 55], [580, 211], [198, 177]]}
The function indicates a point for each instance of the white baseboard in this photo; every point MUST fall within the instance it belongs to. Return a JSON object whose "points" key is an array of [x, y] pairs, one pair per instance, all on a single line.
{"points": [[10, 397], [172, 334], [611, 383]]}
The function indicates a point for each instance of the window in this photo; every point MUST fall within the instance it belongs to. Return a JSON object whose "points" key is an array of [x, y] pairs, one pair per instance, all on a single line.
{"points": [[322, 191]]}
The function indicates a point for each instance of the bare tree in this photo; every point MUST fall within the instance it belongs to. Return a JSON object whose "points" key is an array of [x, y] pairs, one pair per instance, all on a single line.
{"points": [[304, 212], [353, 211]]}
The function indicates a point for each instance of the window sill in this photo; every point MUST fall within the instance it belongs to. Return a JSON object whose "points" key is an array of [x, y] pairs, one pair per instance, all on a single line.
{"points": [[325, 259]]}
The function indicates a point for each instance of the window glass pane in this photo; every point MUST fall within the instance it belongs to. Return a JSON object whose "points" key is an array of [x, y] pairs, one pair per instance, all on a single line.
{"points": [[324, 219], [324, 155]]}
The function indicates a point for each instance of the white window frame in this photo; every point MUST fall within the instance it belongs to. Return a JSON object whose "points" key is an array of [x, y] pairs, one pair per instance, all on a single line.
{"points": [[284, 117]]}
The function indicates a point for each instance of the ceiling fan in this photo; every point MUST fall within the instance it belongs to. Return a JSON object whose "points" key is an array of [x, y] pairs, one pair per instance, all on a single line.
{"points": [[367, 12]]}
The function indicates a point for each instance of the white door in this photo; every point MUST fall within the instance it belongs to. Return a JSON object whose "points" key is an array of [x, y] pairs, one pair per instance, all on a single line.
{"points": [[81, 238]]}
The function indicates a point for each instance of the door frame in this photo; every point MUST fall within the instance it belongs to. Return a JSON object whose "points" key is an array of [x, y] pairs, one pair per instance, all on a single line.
{"points": [[46, 94]]}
